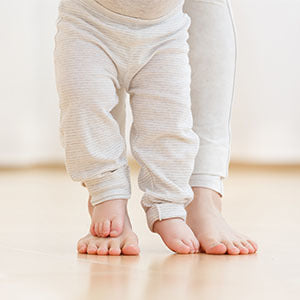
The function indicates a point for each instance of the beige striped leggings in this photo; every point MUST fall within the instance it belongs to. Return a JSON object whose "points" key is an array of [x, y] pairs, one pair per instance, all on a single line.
{"points": [[180, 133]]}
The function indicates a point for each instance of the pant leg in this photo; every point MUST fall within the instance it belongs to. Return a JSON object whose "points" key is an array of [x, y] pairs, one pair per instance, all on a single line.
{"points": [[87, 83], [213, 59], [161, 135]]}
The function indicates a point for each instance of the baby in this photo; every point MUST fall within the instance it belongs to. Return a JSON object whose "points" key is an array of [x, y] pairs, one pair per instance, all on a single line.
{"points": [[100, 47]]}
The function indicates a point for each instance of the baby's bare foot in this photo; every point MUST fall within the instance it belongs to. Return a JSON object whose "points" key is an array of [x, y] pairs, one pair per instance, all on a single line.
{"points": [[126, 243], [177, 235], [108, 218], [214, 234]]}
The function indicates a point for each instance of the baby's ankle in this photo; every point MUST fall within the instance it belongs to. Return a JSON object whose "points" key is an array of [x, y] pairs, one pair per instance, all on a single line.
{"points": [[111, 202]]}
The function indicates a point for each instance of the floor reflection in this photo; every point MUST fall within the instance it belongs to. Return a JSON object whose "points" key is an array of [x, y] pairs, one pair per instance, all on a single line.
{"points": [[159, 276]]}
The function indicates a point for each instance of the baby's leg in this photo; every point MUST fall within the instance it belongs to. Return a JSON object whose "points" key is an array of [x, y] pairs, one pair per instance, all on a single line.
{"points": [[164, 143], [212, 57], [127, 242], [87, 79]]}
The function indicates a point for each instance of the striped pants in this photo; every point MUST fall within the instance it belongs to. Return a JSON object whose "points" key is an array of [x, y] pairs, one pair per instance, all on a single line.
{"points": [[180, 133]]}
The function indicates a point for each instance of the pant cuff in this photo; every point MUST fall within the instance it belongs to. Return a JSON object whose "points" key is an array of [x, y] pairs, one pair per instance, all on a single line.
{"points": [[162, 211], [208, 181], [111, 185]]}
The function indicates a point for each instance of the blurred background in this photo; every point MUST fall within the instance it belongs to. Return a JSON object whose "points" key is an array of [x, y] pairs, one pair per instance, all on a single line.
{"points": [[266, 111]]}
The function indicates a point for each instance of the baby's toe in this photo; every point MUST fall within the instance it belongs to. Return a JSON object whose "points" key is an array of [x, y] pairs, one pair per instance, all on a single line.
{"points": [[116, 227], [196, 245], [92, 230], [105, 228], [189, 243], [180, 247]]}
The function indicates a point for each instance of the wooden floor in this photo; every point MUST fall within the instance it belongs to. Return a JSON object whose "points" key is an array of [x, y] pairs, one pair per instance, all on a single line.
{"points": [[43, 214]]}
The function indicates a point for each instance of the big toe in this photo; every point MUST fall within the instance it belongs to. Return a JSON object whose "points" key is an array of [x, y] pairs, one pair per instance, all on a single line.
{"points": [[179, 247], [212, 246], [116, 227], [217, 249], [131, 247]]}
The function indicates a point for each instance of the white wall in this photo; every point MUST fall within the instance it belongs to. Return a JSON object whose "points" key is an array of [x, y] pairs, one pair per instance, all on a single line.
{"points": [[266, 111], [29, 113], [266, 114]]}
